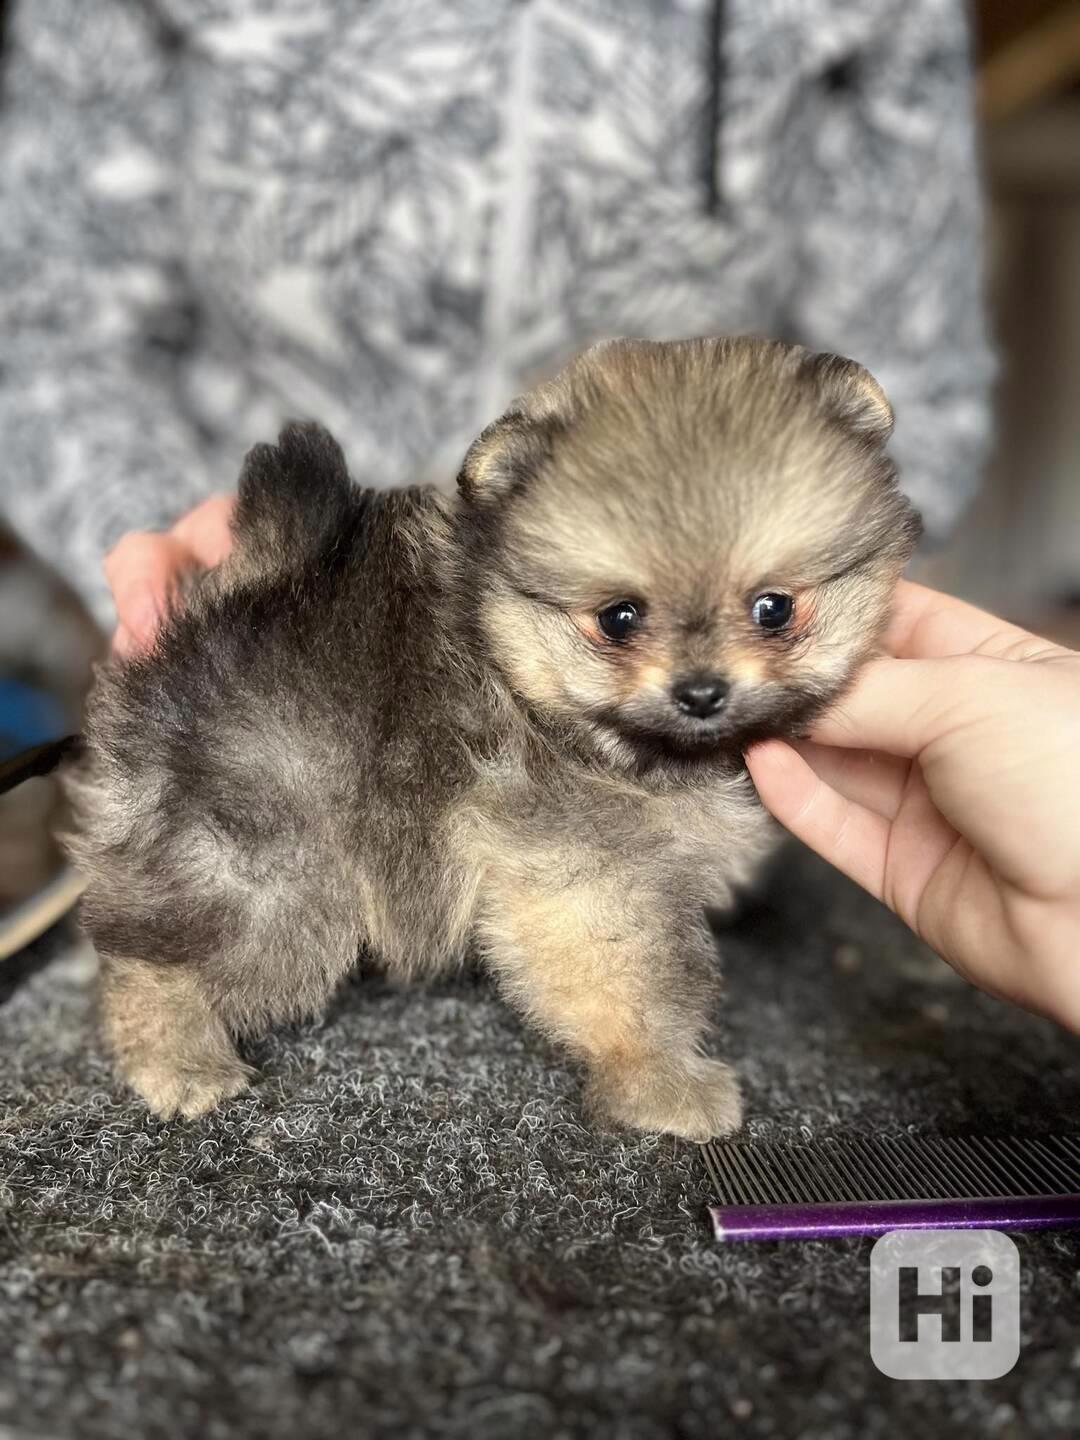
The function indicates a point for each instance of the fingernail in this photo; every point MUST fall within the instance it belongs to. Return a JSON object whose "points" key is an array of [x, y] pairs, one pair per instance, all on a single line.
{"points": [[775, 754]]}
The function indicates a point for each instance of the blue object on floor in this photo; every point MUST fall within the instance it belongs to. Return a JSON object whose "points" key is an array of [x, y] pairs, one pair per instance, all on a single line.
{"points": [[27, 717], [32, 742]]}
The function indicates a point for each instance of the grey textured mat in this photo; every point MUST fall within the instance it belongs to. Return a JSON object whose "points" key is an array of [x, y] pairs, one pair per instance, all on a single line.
{"points": [[407, 1229]]}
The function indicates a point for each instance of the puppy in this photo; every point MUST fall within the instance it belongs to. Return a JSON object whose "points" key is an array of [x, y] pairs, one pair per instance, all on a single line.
{"points": [[410, 725]]}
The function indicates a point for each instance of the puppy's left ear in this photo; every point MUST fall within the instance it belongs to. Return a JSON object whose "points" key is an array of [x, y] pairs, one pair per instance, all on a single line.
{"points": [[513, 448], [853, 395]]}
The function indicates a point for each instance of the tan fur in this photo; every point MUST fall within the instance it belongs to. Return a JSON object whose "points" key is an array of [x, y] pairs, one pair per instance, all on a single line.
{"points": [[171, 1045], [596, 993], [792, 480]]}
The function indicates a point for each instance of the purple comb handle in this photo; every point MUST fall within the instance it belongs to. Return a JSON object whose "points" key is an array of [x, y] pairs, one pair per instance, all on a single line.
{"points": [[875, 1217]]}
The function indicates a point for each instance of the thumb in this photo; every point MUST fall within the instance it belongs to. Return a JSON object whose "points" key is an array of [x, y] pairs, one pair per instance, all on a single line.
{"points": [[903, 706]]}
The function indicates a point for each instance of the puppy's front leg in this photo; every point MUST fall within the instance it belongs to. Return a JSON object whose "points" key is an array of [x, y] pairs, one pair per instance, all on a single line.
{"points": [[625, 978]]}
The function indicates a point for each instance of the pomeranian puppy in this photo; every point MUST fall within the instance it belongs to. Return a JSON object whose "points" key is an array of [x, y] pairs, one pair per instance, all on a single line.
{"points": [[510, 721]]}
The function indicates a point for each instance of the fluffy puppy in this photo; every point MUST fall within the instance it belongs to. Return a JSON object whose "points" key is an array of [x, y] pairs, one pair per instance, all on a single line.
{"points": [[409, 725]]}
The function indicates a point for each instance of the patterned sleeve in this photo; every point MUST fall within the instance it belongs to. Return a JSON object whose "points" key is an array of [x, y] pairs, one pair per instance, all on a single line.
{"points": [[91, 290], [889, 264]]}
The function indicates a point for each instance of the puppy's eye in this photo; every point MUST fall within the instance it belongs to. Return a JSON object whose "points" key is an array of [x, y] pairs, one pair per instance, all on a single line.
{"points": [[773, 610], [619, 621]]}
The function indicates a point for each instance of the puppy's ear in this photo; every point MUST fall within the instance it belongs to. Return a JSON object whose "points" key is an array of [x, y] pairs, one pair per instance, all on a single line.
{"points": [[853, 395], [513, 448]]}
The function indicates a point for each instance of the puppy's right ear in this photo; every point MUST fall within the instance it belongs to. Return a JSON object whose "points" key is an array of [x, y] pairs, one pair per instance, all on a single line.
{"points": [[505, 456]]}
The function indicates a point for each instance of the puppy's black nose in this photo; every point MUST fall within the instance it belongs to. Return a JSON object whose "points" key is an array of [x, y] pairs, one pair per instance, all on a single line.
{"points": [[700, 695]]}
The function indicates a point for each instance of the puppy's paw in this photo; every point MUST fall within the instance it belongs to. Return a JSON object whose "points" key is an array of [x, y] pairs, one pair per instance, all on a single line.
{"points": [[696, 1098], [169, 1091]]}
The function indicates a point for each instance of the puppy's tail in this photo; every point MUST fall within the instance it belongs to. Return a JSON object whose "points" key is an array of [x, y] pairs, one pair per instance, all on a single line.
{"points": [[295, 499]]}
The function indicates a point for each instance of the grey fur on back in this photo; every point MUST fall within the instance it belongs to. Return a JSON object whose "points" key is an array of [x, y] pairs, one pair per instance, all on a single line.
{"points": [[245, 741]]}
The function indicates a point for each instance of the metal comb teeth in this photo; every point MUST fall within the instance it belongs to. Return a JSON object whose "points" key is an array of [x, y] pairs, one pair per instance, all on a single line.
{"points": [[832, 1187]]}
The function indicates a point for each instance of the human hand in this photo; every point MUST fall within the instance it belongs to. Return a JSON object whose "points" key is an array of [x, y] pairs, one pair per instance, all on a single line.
{"points": [[947, 784], [146, 568]]}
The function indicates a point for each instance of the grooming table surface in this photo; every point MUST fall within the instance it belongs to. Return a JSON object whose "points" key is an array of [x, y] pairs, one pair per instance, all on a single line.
{"points": [[406, 1227]]}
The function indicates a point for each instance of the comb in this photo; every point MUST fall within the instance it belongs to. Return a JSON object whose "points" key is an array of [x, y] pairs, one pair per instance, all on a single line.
{"points": [[813, 1190]]}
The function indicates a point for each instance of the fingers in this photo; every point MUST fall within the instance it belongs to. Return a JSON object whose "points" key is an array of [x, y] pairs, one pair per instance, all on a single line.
{"points": [[947, 672], [849, 836], [144, 568], [140, 569], [205, 531], [926, 624], [877, 782], [902, 706]]}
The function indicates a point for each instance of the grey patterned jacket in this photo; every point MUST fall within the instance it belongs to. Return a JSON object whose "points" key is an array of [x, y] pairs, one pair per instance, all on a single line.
{"points": [[394, 214]]}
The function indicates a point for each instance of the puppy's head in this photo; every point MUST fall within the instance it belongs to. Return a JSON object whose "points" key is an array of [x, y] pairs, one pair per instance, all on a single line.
{"points": [[684, 546]]}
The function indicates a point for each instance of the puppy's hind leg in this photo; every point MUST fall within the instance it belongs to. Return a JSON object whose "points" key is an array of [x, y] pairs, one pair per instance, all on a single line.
{"points": [[272, 955], [168, 1042], [203, 941]]}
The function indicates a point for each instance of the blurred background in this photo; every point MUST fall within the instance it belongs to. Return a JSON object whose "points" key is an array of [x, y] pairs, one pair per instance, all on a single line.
{"points": [[1017, 549]]}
